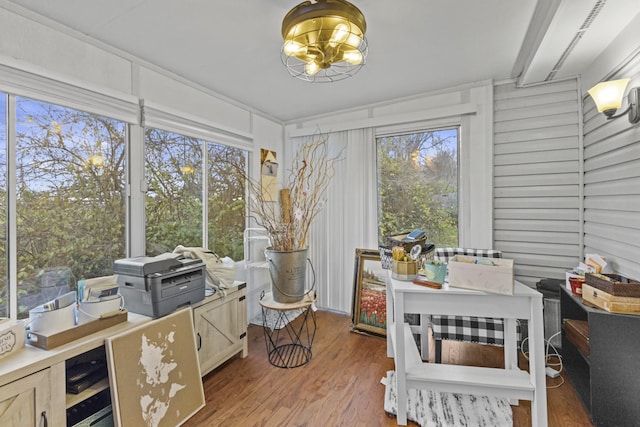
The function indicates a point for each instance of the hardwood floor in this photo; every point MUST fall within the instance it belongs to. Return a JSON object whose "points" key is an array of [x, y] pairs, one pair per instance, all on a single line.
{"points": [[341, 385]]}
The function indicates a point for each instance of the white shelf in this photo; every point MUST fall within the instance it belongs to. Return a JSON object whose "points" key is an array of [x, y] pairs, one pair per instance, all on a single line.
{"points": [[511, 383], [257, 264], [255, 235], [257, 238], [508, 383]]}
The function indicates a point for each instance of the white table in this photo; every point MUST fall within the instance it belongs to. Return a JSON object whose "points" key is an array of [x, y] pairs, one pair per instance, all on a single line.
{"points": [[510, 382]]}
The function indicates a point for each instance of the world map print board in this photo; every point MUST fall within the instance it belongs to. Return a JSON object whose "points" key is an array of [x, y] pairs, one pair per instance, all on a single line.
{"points": [[154, 373]]}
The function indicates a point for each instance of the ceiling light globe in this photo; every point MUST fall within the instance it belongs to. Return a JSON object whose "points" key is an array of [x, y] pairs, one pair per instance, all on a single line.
{"points": [[292, 47], [312, 68], [339, 35], [353, 57]]}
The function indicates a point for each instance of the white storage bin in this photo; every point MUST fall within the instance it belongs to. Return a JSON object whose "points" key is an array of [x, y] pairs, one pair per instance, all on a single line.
{"points": [[490, 274]]}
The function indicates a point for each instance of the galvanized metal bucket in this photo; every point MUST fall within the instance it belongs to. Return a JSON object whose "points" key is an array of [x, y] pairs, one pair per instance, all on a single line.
{"points": [[288, 274]]}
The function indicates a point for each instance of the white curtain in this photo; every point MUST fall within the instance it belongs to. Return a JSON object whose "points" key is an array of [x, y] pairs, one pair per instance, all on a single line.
{"points": [[348, 220]]}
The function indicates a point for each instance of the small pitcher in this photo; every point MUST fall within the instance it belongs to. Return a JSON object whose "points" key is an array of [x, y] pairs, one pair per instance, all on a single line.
{"points": [[434, 271]]}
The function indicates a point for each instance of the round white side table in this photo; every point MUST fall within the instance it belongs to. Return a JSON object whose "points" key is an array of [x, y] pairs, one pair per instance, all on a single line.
{"points": [[289, 330]]}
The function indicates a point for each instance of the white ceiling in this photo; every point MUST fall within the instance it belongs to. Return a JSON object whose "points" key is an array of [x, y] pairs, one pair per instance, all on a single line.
{"points": [[415, 46]]}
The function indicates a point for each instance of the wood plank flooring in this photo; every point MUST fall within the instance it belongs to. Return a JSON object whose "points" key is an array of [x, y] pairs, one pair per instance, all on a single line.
{"points": [[341, 385]]}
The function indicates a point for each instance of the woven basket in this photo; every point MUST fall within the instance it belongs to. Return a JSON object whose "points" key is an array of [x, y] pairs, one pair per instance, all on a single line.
{"points": [[396, 240], [614, 284], [386, 257]]}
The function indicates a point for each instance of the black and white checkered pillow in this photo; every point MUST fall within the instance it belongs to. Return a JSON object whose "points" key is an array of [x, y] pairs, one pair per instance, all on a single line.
{"points": [[445, 254], [483, 330]]}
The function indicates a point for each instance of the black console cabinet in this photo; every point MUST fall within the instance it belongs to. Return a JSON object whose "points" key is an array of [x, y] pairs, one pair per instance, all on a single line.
{"points": [[607, 381]]}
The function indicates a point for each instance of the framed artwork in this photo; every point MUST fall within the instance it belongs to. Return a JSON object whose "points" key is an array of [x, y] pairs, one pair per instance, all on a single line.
{"points": [[268, 175], [154, 372], [369, 308]]}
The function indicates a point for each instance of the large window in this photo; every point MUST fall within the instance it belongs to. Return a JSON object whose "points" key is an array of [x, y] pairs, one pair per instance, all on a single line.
{"points": [[174, 203], [69, 214], [70, 204], [418, 185], [4, 283], [226, 201], [174, 196]]}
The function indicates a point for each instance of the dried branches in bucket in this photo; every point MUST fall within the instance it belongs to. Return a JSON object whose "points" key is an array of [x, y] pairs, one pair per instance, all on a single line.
{"points": [[302, 198]]}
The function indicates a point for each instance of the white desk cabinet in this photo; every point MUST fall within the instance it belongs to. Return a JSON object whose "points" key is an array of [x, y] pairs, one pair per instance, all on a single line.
{"points": [[511, 382], [220, 323], [32, 400], [32, 380]]}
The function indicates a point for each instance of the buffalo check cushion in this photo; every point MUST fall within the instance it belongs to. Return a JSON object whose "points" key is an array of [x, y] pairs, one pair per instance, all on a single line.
{"points": [[444, 254], [483, 330]]}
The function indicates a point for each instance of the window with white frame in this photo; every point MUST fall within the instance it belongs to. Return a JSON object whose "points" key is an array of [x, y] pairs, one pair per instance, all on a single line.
{"points": [[4, 280], [226, 205], [175, 207], [70, 198], [417, 176], [65, 178]]}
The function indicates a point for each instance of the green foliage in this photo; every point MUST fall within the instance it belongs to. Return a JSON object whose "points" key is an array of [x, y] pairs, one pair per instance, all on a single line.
{"points": [[174, 201], [227, 208], [71, 205], [70, 196], [417, 186]]}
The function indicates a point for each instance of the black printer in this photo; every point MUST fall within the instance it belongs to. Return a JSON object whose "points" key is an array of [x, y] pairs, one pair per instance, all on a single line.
{"points": [[157, 286]]}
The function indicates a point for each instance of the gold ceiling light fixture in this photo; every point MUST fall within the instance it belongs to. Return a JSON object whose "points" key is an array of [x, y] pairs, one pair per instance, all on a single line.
{"points": [[324, 40]]}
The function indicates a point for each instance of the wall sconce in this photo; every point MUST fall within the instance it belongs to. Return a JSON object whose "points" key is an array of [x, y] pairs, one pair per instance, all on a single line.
{"points": [[608, 98]]}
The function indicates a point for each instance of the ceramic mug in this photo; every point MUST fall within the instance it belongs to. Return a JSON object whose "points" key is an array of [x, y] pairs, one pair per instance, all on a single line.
{"points": [[435, 272]]}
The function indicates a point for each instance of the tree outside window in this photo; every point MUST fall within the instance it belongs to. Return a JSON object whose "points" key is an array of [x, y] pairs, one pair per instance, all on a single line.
{"points": [[70, 207], [4, 283], [174, 202], [71, 199], [418, 185], [226, 201], [174, 197]]}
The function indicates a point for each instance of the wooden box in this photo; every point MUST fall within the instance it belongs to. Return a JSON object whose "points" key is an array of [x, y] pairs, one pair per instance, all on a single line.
{"points": [[49, 341], [614, 284], [490, 274], [610, 303], [577, 331]]}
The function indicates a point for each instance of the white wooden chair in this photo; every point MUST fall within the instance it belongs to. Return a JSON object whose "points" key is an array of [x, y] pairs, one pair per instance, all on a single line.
{"points": [[481, 330]]}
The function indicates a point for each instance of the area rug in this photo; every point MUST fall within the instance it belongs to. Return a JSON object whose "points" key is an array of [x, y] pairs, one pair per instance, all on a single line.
{"points": [[435, 409]]}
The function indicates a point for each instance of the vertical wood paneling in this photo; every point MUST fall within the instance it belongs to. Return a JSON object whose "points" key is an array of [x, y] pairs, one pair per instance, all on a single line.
{"points": [[536, 178], [612, 184]]}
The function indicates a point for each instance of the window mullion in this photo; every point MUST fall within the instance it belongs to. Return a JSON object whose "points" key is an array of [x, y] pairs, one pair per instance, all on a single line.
{"points": [[205, 194], [12, 241]]}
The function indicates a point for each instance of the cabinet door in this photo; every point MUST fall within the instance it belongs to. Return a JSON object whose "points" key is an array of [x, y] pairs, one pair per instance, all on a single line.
{"points": [[25, 402], [218, 334]]}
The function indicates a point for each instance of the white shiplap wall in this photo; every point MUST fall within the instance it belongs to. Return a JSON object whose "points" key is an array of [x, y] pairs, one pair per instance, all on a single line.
{"points": [[536, 178], [612, 184]]}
